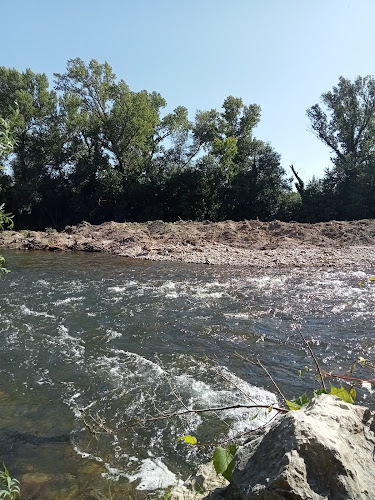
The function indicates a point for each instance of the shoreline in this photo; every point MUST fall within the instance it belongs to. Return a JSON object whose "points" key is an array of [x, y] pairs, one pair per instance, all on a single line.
{"points": [[337, 244]]}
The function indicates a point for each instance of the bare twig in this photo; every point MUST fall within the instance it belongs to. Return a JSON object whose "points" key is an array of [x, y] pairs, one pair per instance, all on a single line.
{"points": [[94, 424], [221, 373], [175, 392], [347, 377], [245, 433], [204, 410], [258, 363], [313, 357]]}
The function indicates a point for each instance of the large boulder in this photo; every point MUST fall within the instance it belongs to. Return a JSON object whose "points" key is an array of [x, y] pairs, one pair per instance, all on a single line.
{"points": [[325, 450]]}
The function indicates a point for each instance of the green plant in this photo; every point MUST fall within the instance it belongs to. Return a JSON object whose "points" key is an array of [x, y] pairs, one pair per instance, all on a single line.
{"points": [[9, 486], [6, 139], [346, 395], [3, 269], [223, 460], [5, 222]]}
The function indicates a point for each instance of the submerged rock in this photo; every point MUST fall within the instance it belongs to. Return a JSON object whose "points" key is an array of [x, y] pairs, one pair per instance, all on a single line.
{"points": [[322, 451]]}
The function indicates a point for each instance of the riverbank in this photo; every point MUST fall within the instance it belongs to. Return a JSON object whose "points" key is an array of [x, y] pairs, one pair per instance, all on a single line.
{"points": [[246, 243]]}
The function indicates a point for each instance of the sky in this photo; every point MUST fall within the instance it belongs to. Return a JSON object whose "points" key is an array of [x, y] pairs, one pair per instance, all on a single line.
{"points": [[280, 54]]}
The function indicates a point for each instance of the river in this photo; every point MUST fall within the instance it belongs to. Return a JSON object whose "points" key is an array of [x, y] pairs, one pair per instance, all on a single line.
{"points": [[92, 342]]}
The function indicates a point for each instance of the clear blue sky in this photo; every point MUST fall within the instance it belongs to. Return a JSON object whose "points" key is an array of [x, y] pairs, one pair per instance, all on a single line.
{"points": [[280, 54]]}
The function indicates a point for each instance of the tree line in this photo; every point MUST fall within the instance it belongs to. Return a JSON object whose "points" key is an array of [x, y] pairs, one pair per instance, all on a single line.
{"points": [[92, 149]]}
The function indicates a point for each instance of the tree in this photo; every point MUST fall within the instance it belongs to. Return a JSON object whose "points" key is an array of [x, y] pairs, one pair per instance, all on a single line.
{"points": [[346, 124], [227, 134], [259, 185], [26, 102], [92, 149], [119, 140], [249, 179], [124, 121]]}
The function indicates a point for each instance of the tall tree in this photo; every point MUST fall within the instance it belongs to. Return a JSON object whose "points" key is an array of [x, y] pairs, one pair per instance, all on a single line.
{"points": [[249, 179], [346, 124], [227, 135], [260, 184], [26, 100], [124, 121]]}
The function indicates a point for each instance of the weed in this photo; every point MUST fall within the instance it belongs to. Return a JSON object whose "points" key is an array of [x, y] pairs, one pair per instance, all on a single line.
{"points": [[9, 489]]}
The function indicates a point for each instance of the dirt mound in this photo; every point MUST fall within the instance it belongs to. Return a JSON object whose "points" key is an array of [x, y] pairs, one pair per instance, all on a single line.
{"points": [[251, 243]]}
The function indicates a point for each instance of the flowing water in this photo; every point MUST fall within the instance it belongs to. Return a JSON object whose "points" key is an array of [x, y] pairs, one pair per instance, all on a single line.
{"points": [[92, 342]]}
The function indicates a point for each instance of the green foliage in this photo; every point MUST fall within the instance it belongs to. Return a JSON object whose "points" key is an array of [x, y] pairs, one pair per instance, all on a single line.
{"points": [[122, 122], [6, 220], [6, 138], [6, 146], [296, 403], [342, 393], [9, 487], [318, 392], [346, 395], [345, 122], [3, 270], [223, 460], [92, 149]]}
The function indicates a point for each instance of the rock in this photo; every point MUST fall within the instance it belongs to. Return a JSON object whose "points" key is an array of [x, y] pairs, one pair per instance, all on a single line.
{"points": [[325, 450], [199, 485]]}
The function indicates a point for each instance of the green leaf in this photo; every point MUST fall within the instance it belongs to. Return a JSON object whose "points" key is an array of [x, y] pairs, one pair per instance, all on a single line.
{"points": [[343, 394], [188, 439], [223, 460], [292, 406], [318, 392], [362, 361], [296, 403]]}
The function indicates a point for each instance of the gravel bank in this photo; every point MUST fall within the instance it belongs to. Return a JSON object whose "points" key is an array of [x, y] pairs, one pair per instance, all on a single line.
{"points": [[246, 243]]}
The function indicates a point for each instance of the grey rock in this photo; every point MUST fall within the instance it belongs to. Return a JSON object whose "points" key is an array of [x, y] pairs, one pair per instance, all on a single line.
{"points": [[322, 451], [200, 485]]}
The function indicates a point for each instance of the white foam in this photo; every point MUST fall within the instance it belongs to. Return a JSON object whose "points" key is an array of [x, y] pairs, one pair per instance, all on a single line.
{"points": [[112, 334], [84, 454], [153, 475], [29, 312], [123, 287], [70, 347], [117, 289], [238, 315], [68, 300], [43, 283]]}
